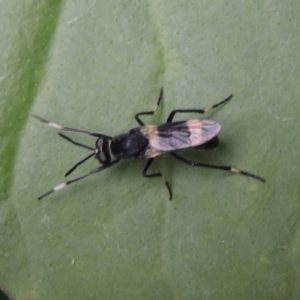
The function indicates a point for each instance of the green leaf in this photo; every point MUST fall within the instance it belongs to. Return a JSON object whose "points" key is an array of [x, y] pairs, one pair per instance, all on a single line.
{"points": [[115, 235]]}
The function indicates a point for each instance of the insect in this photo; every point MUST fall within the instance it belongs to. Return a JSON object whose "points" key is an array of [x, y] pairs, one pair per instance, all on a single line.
{"points": [[150, 141]]}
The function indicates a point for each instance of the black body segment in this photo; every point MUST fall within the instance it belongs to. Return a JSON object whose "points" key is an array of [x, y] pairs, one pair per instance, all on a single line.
{"points": [[150, 141], [213, 143], [131, 145]]}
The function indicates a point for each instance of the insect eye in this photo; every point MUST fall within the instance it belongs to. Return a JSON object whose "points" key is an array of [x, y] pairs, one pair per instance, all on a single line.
{"points": [[102, 156], [102, 150], [99, 144]]}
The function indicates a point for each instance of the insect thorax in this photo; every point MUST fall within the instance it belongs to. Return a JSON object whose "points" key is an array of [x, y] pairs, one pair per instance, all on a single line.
{"points": [[131, 145]]}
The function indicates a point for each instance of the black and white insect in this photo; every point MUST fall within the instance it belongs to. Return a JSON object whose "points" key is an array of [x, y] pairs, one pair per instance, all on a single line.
{"points": [[150, 141]]}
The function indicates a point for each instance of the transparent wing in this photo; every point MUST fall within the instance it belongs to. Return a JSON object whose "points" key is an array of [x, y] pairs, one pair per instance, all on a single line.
{"points": [[180, 135]]}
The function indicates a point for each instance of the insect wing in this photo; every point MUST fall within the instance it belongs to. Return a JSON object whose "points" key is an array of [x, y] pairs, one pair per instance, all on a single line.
{"points": [[180, 135]]}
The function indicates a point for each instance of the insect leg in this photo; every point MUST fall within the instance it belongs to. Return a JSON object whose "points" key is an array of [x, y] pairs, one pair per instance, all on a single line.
{"points": [[225, 168], [200, 111], [137, 116], [61, 127], [62, 185], [156, 175]]}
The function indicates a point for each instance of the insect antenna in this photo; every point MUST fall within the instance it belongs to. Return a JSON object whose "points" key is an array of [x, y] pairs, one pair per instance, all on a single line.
{"points": [[61, 127], [78, 164], [62, 185], [75, 143], [80, 145]]}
